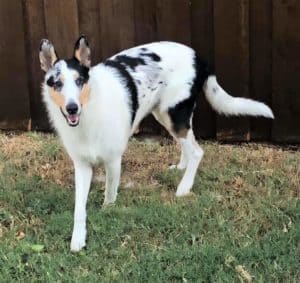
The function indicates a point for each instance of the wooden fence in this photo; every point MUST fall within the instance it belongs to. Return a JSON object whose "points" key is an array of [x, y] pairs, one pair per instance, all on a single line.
{"points": [[253, 44]]}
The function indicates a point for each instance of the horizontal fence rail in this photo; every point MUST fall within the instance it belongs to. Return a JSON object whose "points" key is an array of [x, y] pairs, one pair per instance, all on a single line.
{"points": [[253, 45]]}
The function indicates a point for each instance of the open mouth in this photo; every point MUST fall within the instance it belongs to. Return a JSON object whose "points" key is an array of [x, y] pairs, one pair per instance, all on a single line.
{"points": [[72, 119]]}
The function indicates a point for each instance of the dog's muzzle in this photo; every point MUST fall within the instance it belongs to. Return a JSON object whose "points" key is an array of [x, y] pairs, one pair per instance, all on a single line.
{"points": [[72, 115]]}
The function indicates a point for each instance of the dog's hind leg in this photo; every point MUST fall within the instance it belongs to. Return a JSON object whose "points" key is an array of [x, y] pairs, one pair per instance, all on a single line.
{"points": [[83, 177], [194, 156], [164, 119], [113, 172], [178, 121], [191, 152], [183, 160]]}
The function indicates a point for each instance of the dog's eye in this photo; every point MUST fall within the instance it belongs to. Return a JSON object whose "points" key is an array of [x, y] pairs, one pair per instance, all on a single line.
{"points": [[50, 82], [57, 85], [79, 81]]}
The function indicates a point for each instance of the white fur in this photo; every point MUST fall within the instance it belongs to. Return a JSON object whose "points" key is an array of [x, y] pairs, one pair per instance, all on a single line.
{"points": [[193, 155], [225, 104], [105, 121]]}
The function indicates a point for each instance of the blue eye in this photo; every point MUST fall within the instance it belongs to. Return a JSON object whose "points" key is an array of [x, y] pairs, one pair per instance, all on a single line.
{"points": [[79, 81], [58, 85]]}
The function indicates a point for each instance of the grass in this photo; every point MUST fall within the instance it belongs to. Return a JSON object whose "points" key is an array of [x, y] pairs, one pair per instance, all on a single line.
{"points": [[240, 224]]}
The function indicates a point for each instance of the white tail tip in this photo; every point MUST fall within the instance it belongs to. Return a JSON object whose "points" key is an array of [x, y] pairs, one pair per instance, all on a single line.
{"points": [[225, 104]]}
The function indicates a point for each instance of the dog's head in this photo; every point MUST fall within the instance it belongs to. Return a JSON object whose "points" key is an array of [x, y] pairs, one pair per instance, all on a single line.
{"points": [[67, 80]]}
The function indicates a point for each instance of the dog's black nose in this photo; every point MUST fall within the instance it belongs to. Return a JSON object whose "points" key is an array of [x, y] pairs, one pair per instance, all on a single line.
{"points": [[72, 108]]}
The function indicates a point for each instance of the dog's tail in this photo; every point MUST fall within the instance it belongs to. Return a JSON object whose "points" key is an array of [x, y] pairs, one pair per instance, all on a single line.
{"points": [[223, 103]]}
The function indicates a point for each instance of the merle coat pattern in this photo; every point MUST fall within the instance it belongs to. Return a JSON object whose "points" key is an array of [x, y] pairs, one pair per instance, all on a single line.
{"points": [[96, 109]]}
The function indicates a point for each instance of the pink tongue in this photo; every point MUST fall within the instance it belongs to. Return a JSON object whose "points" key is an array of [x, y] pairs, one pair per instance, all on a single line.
{"points": [[73, 118]]}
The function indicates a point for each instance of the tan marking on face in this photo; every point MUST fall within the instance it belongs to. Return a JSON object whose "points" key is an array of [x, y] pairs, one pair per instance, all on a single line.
{"points": [[85, 94], [57, 98]]}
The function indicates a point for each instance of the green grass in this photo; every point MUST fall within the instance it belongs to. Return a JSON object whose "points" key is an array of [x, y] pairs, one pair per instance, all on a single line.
{"points": [[244, 211]]}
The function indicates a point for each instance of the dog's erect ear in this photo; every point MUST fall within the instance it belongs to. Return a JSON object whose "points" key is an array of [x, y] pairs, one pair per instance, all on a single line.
{"points": [[82, 51], [47, 55]]}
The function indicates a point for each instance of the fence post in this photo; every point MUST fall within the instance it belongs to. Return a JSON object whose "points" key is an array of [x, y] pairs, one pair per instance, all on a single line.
{"points": [[202, 34], [286, 71], [14, 99], [231, 22]]}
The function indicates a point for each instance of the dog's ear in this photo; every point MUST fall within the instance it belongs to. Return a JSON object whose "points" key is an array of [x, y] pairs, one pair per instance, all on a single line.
{"points": [[47, 55], [82, 51]]}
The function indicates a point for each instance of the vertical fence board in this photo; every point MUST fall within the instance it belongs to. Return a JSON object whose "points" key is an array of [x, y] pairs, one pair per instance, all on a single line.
{"points": [[145, 12], [173, 23], [14, 100], [145, 21], [116, 25], [202, 35], [231, 19], [35, 31], [261, 63], [254, 45], [61, 19], [89, 24], [174, 20], [286, 70]]}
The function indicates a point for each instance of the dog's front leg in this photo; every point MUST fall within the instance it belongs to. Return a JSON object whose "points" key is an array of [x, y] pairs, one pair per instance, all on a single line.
{"points": [[113, 171], [83, 176]]}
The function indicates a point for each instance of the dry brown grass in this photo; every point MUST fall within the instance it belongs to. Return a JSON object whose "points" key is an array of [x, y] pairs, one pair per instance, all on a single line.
{"points": [[241, 222], [38, 155], [42, 155]]}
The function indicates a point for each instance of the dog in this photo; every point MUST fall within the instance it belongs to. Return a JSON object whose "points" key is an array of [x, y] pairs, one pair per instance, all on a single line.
{"points": [[95, 110]]}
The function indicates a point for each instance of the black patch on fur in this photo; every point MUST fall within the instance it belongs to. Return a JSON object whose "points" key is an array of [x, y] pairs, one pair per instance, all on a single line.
{"points": [[132, 89], [181, 113], [58, 85], [55, 82], [131, 62], [50, 81], [153, 56], [83, 71], [144, 49]]}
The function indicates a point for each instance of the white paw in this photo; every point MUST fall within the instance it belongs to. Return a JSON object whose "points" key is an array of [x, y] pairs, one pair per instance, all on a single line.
{"points": [[78, 240], [178, 166], [174, 166], [183, 189], [108, 202], [182, 193]]}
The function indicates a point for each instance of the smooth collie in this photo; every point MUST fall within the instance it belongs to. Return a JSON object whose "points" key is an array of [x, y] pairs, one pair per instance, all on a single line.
{"points": [[96, 109]]}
